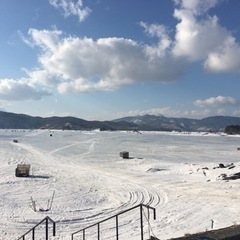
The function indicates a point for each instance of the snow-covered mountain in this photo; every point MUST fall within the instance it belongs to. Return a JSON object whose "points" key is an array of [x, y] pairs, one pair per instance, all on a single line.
{"points": [[145, 122], [161, 123]]}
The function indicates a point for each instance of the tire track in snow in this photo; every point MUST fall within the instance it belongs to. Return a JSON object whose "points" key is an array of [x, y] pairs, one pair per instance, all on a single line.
{"points": [[128, 193], [122, 191], [135, 194], [90, 148]]}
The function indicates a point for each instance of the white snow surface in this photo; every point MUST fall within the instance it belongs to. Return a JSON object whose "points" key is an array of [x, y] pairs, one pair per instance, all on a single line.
{"points": [[175, 173]]}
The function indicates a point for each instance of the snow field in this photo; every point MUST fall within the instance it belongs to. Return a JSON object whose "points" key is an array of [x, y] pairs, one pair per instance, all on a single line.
{"points": [[175, 173]]}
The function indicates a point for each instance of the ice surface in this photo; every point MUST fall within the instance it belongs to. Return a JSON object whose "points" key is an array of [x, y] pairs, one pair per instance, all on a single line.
{"points": [[176, 173]]}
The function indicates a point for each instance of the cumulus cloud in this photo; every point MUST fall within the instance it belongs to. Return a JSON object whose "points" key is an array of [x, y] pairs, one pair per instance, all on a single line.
{"points": [[84, 64], [70, 7], [164, 42], [47, 40], [225, 59], [41, 77], [200, 37], [75, 64], [12, 90], [198, 7], [217, 102]]}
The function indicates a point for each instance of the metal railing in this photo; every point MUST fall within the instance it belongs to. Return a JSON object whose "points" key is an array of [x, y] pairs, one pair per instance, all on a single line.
{"points": [[32, 230], [117, 222]]}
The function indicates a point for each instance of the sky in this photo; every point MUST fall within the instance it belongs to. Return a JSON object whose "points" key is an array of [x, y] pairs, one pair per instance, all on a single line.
{"points": [[107, 59]]}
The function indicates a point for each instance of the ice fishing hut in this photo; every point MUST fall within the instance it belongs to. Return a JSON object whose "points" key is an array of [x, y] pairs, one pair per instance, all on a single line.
{"points": [[124, 154], [22, 170]]}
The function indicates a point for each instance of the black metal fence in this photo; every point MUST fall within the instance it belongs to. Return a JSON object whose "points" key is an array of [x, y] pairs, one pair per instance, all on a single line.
{"points": [[48, 220], [116, 216], [32, 230]]}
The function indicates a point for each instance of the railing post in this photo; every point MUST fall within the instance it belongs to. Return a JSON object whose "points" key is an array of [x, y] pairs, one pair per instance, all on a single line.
{"points": [[141, 219], [32, 230], [117, 227], [46, 228], [54, 229], [98, 231], [33, 234], [117, 222]]}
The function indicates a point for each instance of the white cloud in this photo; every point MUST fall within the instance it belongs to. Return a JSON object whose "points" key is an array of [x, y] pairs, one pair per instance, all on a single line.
{"points": [[46, 39], [198, 114], [200, 37], [12, 90], [41, 77], [221, 112], [217, 102], [156, 30], [236, 113], [197, 39], [206, 109], [69, 7], [74, 64], [164, 42], [225, 59], [198, 7], [84, 64]]}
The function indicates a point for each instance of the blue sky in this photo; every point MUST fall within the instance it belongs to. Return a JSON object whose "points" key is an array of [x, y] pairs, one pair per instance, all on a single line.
{"points": [[106, 59]]}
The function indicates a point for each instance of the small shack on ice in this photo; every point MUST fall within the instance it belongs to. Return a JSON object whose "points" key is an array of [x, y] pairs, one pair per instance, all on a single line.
{"points": [[124, 154], [22, 170]]}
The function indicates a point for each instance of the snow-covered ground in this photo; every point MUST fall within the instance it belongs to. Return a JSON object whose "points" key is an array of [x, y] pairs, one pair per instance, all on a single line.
{"points": [[175, 173]]}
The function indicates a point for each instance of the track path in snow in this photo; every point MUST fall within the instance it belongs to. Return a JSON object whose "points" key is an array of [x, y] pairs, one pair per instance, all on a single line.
{"points": [[91, 182], [85, 192]]}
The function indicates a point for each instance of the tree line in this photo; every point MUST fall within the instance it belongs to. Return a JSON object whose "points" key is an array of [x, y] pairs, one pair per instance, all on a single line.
{"points": [[232, 129]]}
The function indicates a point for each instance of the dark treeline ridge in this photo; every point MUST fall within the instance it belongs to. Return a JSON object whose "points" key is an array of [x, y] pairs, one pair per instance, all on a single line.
{"points": [[232, 129]]}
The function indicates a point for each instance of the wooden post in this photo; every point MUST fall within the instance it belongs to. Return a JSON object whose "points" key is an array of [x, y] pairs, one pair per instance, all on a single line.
{"points": [[33, 205], [52, 201], [212, 224]]}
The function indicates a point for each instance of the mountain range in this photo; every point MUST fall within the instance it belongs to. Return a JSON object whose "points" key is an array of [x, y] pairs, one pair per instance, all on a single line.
{"points": [[132, 123]]}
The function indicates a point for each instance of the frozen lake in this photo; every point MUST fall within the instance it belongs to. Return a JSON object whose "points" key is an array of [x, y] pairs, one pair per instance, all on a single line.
{"points": [[175, 173]]}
